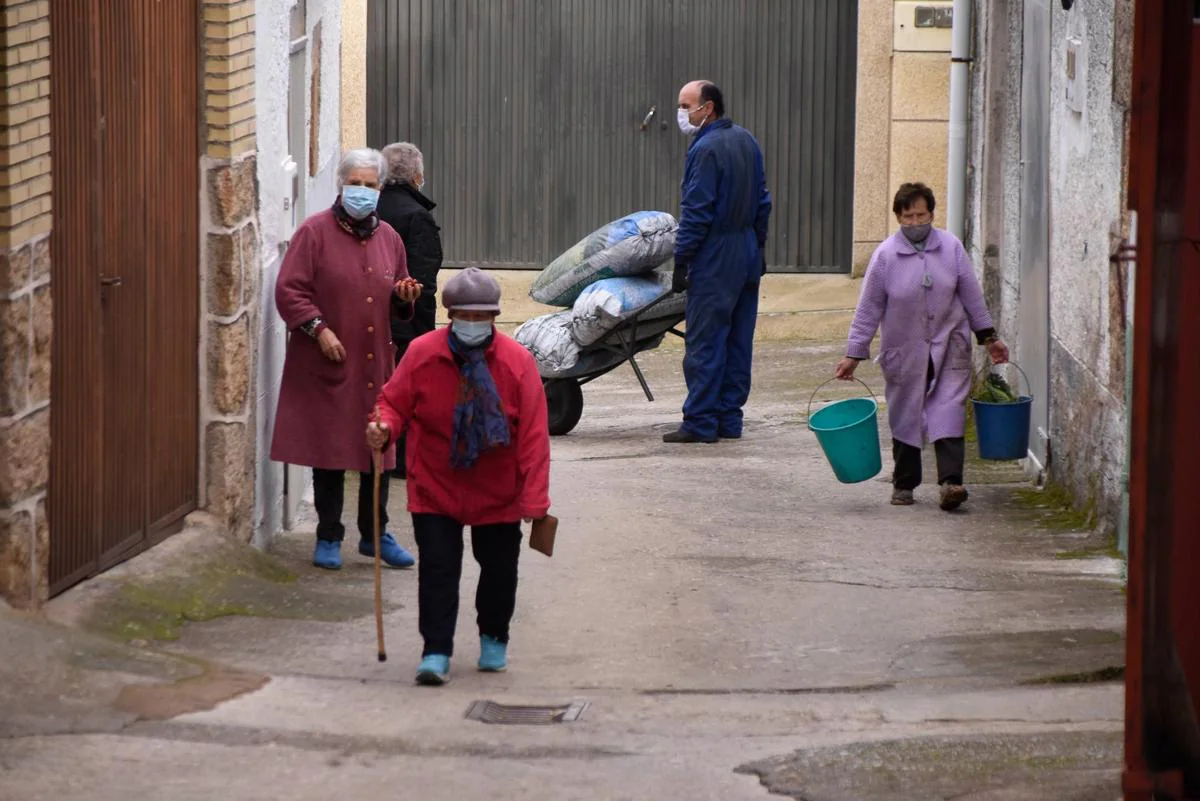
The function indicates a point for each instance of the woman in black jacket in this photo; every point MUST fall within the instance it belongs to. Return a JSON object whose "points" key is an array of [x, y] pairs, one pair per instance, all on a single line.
{"points": [[405, 208]]}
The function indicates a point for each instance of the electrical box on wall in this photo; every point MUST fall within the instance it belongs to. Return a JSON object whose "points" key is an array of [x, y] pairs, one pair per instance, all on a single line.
{"points": [[923, 27], [1076, 73]]}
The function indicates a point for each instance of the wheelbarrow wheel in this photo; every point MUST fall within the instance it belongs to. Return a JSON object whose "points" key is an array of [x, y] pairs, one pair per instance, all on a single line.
{"points": [[564, 402]]}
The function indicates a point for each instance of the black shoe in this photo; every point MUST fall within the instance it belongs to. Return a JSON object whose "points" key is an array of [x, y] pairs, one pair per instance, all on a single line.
{"points": [[681, 437], [738, 435]]}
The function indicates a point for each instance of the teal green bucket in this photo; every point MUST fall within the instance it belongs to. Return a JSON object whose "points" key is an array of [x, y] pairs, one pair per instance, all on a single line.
{"points": [[848, 432]]}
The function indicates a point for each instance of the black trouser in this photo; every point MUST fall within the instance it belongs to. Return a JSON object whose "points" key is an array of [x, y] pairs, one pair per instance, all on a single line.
{"points": [[951, 453], [496, 548], [401, 470], [329, 489], [402, 335]]}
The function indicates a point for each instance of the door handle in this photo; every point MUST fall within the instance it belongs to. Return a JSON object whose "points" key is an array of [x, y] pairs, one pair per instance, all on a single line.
{"points": [[649, 116], [111, 280]]}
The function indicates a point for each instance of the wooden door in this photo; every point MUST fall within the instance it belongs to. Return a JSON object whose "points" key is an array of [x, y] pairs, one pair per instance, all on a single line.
{"points": [[125, 253]]}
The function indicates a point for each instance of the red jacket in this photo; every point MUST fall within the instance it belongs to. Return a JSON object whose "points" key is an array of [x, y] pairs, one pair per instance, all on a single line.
{"points": [[505, 484]]}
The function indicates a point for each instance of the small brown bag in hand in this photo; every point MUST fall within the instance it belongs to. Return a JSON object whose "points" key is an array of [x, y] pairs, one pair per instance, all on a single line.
{"points": [[541, 534]]}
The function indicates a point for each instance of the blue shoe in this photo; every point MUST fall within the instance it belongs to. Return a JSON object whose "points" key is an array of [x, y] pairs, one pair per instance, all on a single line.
{"points": [[493, 655], [328, 554], [391, 551], [434, 670]]}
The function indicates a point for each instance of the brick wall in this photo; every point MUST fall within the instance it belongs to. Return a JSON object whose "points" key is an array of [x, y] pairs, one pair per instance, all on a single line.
{"points": [[25, 300], [230, 268]]}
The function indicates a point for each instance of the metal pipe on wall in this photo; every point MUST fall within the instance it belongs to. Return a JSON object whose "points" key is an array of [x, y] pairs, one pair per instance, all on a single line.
{"points": [[960, 87]]}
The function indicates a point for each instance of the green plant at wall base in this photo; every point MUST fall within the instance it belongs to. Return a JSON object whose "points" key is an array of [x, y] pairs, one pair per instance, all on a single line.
{"points": [[158, 613], [238, 581], [1055, 507], [1107, 549]]}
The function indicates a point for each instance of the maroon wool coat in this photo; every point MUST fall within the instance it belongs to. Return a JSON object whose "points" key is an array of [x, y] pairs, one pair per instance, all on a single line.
{"points": [[324, 406]]}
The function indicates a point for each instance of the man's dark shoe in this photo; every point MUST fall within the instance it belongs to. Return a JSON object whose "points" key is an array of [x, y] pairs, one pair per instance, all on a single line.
{"points": [[730, 434], [681, 437]]}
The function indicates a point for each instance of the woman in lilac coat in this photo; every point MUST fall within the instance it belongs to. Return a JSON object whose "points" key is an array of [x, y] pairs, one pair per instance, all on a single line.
{"points": [[922, 294]]}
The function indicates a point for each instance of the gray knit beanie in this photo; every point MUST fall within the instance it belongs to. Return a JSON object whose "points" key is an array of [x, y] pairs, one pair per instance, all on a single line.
{"points": [[472, 290]]}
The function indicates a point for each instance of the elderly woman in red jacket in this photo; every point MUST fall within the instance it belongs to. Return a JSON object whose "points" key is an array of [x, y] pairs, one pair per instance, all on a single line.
{"points": [[471, 402]]}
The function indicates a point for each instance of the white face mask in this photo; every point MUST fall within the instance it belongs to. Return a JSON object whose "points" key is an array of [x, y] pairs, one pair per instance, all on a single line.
{"points": [[685, 123]]}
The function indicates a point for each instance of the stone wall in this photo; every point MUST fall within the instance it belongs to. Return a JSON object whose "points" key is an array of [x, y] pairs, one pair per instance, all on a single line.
{"points": [[26, 312], [230, 266], [1087, 208], [902, 115], [1089, 298]]}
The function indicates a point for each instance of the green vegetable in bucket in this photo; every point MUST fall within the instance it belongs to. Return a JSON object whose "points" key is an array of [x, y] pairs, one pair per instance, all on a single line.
{"points": [[995, 389]]}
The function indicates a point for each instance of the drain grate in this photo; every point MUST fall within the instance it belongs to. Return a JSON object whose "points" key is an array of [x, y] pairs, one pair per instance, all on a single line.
{"points": [[505, 714]]}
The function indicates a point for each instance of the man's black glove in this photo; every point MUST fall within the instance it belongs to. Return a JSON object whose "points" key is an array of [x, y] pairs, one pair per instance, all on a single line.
{"points": [[763, 253], [679, 279]]}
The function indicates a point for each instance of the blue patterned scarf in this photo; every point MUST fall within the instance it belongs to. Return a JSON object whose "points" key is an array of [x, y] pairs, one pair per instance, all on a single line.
{"points": [[479, 420]]}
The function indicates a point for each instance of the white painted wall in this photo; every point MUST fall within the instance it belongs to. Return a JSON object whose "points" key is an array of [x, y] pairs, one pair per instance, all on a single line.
{"points": [[272, 69]]}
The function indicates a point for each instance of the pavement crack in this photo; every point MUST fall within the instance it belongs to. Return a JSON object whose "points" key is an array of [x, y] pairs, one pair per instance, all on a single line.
{"points": [[971, 721], [611, 458], [352, 745], [845, 690], [874, 586]]}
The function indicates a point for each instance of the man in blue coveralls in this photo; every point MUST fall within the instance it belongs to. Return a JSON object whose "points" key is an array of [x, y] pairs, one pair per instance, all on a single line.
{"points": [[719, 261]]}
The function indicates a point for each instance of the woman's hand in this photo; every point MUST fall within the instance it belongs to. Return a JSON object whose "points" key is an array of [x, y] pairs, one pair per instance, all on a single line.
{"points": [[378, 435], [331, 346], [998, 351], [845, 369], [408, 289]]}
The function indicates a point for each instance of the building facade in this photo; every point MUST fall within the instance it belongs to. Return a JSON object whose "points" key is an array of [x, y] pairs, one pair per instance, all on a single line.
{"points": [[1047, 221], [144, 203], [902, 125]]}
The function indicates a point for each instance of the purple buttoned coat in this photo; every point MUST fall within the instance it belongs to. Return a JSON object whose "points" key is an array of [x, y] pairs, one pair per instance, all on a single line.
{"points": [[321, 419], [925, 306]]}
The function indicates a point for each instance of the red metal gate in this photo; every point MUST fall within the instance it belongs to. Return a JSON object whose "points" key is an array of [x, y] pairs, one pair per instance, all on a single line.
{"points": [[1162, 759], [125, 254]]}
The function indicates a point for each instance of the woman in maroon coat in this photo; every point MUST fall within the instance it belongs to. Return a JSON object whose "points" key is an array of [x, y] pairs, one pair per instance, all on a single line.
{"points": [[342, 277]]}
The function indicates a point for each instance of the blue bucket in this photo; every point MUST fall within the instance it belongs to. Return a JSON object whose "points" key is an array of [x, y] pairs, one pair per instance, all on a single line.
{"points": [[848, 432], [1002, 429]]}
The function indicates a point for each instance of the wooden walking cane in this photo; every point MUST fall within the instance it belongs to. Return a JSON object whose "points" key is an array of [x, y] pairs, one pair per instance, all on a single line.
{"points": [[377, 464]]}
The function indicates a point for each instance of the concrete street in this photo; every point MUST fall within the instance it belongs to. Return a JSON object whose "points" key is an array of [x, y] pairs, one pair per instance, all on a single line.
{"points": [[737, 621]]}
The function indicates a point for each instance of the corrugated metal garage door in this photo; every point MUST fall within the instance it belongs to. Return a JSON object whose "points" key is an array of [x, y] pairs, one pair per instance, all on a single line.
{"points": [[530, 113]]}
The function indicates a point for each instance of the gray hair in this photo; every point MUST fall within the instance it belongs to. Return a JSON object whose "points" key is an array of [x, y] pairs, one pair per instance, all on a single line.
{"points": [[404, 161], [359, 159]]}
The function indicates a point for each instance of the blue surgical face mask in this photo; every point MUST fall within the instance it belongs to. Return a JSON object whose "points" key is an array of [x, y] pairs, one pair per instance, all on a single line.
{"points": [[471, 333], [359, 201]]}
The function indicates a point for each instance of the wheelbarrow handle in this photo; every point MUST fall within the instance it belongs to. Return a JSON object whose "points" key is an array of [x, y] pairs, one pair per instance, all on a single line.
{"points": [[830, 381]]}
